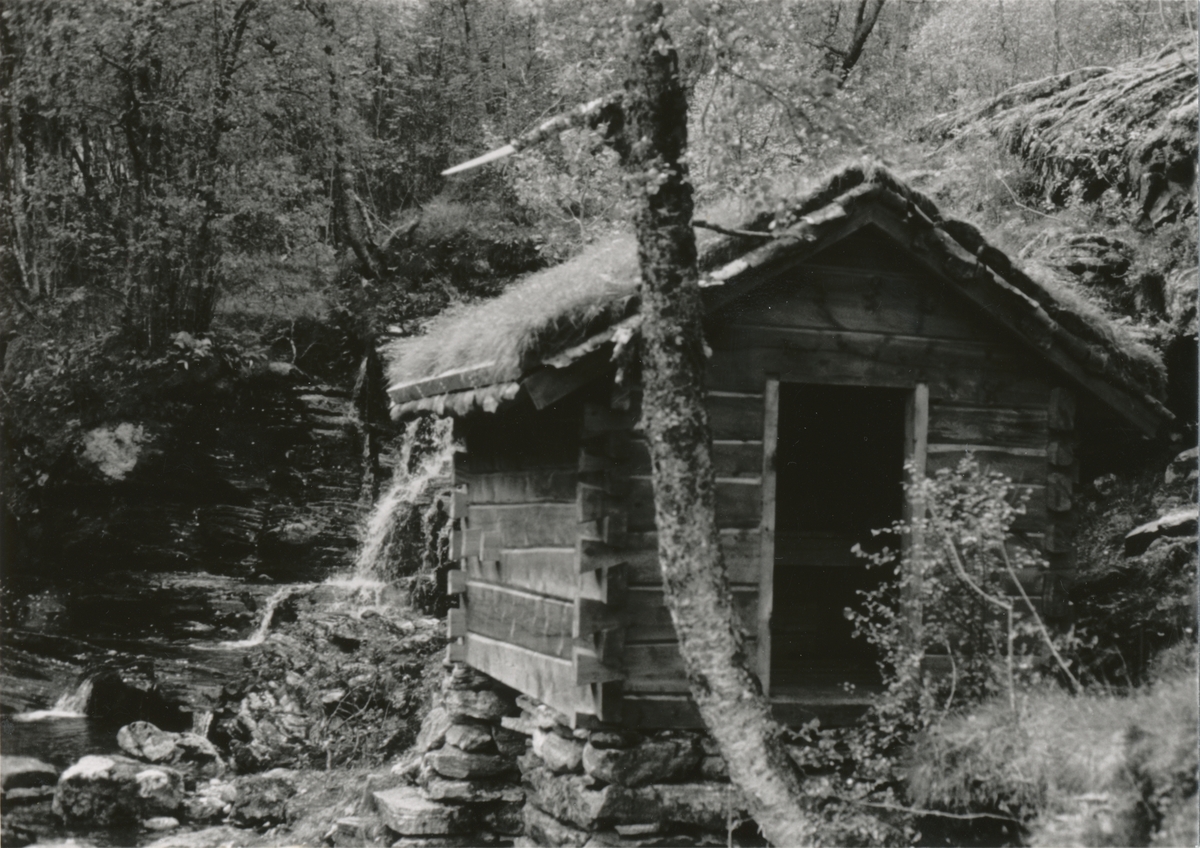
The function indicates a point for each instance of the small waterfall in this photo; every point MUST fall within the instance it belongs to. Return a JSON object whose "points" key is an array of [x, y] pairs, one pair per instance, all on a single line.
{"points": [[426, 457], [264, 624], [71, 704]]}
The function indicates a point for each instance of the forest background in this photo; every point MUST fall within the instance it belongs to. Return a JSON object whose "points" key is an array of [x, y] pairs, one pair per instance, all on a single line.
{"points": [[213, 186]]}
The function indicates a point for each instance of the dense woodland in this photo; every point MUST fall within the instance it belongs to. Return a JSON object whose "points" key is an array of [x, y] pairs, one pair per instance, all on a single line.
{"points": [[207, 201]]}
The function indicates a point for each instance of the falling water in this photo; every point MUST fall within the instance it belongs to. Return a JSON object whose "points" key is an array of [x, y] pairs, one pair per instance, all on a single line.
{"points": [[264, 624], [425, 458], [71, 704]]}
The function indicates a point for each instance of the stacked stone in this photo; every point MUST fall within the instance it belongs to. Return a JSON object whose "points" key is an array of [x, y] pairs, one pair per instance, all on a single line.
{"points": [[464, 766], [621, 787]]}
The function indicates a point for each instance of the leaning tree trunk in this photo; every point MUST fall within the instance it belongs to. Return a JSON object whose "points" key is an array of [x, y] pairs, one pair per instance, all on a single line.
{"points": [[697, 593]]}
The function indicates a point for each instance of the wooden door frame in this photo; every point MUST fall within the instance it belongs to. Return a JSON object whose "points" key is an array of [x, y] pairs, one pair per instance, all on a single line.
{"points": [[916, 445]]}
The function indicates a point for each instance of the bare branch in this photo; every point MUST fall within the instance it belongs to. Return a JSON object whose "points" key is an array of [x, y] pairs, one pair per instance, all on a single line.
{"points": [[580, 115]]}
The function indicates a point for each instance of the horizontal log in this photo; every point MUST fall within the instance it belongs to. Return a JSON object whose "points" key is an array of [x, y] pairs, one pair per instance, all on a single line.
{"points": [[590, 668], [540, 485], [456, 581], [543, 571], [967, 372], [739, 503], [549, 679], [1027, 467], [530, 621], [741, 549], [735, 416], [545, 525], [831, 298], [481, 374], [658, 667], [1020, 427], [649, 620], [731, 457]]}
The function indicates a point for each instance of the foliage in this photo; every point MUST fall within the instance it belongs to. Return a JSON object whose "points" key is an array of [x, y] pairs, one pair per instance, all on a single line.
{"points": [[1129, 609], [334, 685], [1140, 750], [949, 598]]}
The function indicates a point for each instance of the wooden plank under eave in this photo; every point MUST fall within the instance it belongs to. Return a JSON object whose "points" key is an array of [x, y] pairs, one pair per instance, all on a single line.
{"points": [[448, 381], [552, 384], [546, 678]]}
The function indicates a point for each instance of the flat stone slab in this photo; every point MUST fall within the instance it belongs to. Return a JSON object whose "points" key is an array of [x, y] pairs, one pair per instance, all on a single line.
{"points": [[1180, 522], [569, 799], [405, 810], [25, 773], [653, 761], [460, 765]]}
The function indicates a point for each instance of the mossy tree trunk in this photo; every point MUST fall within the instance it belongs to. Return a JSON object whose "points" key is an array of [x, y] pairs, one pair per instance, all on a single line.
{"points": [[711, 640]]}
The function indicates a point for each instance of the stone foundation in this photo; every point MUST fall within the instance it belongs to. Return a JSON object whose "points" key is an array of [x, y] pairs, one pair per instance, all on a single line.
{"points": [[494, 767]]}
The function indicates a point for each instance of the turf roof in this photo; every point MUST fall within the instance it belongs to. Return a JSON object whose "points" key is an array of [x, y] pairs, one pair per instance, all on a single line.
{"points": [[505, 338]]}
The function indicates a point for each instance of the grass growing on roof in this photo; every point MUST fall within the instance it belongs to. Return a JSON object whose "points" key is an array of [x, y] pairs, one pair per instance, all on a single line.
{"points": [[546, 310]]}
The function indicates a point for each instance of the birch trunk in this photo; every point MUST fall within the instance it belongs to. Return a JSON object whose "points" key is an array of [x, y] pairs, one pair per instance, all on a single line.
{"points": [[696, 587]]}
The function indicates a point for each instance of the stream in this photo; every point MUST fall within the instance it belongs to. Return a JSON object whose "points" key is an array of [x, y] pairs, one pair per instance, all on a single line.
{"points": [[84, 656]]}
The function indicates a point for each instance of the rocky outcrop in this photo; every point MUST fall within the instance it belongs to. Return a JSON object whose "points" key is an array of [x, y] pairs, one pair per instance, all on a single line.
{"points": [[103, 791], [191, 755]]}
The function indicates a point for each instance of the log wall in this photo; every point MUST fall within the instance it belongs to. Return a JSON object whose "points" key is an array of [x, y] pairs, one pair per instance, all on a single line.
{"points": [[562, 595]]}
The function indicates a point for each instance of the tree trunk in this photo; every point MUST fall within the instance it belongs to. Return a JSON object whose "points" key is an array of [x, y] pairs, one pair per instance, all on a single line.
{"points": [[864, 23], [696, 586]]}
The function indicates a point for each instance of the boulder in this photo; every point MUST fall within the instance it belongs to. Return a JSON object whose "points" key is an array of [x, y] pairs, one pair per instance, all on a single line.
{"points": [[212, 802], [472, 791], [210, 837], [654, 761], [143, 741], [1183, 468], [25, 773], [262, 799], [112, 790], [560, 755], [355, 830], [460, 765], [484, 705], [1180, 522], [501, 817], [26, 796], [545, 829], [192, 755], [510, 743], [570, 799], [407, 812], [462, 676], [471, 738], [433, 729], [615, 738], [161, 823]]}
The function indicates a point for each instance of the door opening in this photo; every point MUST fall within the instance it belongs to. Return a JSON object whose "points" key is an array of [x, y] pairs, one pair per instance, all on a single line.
{"points": [[839, 467]]}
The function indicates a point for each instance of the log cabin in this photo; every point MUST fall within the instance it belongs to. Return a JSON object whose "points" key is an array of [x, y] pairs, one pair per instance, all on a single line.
{"points": [[857, 332]]}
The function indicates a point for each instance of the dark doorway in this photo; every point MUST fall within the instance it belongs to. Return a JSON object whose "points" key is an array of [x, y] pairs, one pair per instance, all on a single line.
{"points": [[839, 467]]}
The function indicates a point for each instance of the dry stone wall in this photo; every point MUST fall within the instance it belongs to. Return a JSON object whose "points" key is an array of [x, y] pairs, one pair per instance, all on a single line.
{"points": [[495, 767]]}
